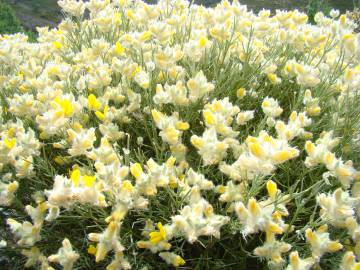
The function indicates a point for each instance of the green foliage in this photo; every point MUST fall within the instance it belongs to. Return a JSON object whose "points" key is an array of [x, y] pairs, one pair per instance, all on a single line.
{"points": [[356, 4], [9, 24], [31, 35], [315, 6]]}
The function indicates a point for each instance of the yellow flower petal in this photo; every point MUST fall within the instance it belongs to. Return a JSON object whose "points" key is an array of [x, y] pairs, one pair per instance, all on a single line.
{"points": [[75, 176], [271, 188], [93, 103], [100, 115], [10, 143], [91, 250], [119, 50], [89, 180], [136, 170]]}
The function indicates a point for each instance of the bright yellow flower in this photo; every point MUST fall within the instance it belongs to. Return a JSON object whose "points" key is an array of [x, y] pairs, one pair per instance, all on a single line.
{"points": [[93, 103], [203, 41], [126, 185], [91, 249], [57, 45], [157, 116], [256, 149], [136, 170], [89, 180], [271, 188], [10, 143], [182, 125], [171, 161], [241, 92], [178, 261], [209, 117], [101, 115], [66, 106], [75, 176], [119, 50], [284, 155], [156, 237]]}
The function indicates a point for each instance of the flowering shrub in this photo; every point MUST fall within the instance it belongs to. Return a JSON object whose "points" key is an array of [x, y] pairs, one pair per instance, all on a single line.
{"points": [[142, 136]]}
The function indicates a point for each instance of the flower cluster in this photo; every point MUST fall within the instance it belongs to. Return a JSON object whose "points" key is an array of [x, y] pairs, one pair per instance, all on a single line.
{"points": [[181, 129]]}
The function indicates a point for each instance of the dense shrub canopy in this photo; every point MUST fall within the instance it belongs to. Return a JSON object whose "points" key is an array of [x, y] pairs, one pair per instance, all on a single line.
{"points": [[9, 24], [148, 136]]}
